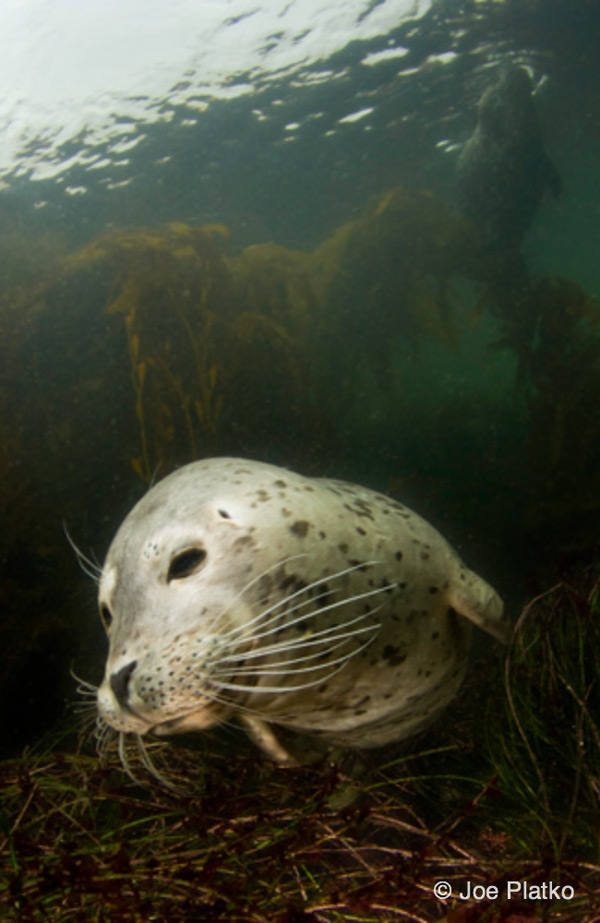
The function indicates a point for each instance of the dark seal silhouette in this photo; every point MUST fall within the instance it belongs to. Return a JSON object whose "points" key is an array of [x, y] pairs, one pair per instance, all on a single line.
{"points": [[503, 170]]}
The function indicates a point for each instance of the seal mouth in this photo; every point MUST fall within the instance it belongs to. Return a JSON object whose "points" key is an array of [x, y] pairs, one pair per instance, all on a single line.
{"points": [[193, 720], [165, 728]]}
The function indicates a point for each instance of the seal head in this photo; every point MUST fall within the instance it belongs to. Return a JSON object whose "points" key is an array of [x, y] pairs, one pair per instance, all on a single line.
{"points": [[237, 588]]}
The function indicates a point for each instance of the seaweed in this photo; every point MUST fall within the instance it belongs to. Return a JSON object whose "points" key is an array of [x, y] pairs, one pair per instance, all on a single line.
{"points": [[509, 796], [193, 318], [386, 278], [168, 287], [226, 349]]}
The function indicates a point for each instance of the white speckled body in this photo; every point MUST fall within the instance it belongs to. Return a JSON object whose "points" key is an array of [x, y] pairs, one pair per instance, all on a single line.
{"points": [[239, 588]]}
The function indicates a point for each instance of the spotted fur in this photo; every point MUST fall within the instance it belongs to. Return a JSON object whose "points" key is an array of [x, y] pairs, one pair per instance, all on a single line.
{"points": [[236, 588]]}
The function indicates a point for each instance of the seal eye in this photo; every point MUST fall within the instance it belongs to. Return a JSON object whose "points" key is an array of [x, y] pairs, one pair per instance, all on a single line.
{"points": [[186, 563], [106, 616]]}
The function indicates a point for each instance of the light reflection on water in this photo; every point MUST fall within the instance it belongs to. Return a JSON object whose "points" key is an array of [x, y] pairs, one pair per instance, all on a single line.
{"points": [[279, 119], [93, 74]]}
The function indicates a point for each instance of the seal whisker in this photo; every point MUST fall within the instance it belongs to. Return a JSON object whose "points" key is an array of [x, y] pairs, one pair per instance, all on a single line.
{"points": [[83, 687], [87, 716], [230, 702], [214, 624], [86, 708], [269, 671], [149, 765], [303, 591], [328, 608], [87, 711], [241, 593], [275, 649], [125, 759], [334, 633], [298, 688], [85, 692], [103, 735], [90, 568]]}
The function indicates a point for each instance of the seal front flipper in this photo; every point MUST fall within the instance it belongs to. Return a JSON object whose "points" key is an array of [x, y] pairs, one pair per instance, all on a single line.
{"points": [[478, 601], [264, 737]]}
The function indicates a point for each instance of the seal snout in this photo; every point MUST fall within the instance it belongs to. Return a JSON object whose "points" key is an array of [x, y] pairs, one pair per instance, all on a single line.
{"points": [[119, 683]]}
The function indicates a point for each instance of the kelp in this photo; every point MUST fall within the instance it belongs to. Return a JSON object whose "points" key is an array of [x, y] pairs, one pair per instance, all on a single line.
{"points": [[210, 336], [390, 271], [276, 282], [195, 322], [169, 287], [221, 344]]}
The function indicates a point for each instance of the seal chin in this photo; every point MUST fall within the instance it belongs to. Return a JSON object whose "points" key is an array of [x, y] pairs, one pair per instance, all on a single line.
{"points": [[126, 722]]}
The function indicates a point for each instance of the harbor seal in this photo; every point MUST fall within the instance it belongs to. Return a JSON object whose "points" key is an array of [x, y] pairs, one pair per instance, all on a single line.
{"points": [[503, 170], [235, 588]]}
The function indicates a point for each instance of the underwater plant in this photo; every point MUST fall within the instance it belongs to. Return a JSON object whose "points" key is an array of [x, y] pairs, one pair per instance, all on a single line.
{"points": [[386, 277], [481, 800], [197, 324], [547, 754]]}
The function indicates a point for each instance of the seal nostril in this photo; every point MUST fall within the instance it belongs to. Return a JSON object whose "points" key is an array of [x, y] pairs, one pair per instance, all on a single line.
{"points": [[119, 683]]}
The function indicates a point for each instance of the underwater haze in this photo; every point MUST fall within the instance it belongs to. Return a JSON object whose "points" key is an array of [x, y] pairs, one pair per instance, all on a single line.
{"points": [[290, 231], [358, 239]]}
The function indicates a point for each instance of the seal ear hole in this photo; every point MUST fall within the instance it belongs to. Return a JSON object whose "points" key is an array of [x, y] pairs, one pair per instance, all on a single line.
{"points": [[186, 563], [224, 514], [106, 616]]}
